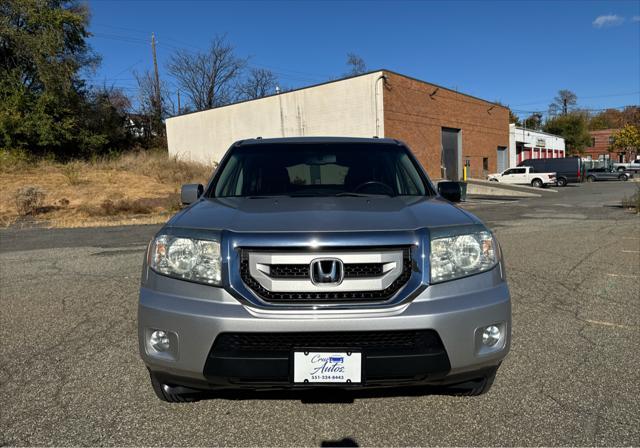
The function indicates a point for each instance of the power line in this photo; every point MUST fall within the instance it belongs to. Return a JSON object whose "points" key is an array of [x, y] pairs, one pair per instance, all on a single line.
{"points": [[609, 95], [127, 39], [281, 72], [578, 109]]}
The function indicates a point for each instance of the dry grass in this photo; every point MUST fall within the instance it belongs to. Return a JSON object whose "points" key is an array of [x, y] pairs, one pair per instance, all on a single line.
{"points": [[137, 187]]}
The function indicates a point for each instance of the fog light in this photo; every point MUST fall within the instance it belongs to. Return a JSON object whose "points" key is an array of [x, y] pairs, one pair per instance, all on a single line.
{"points": [[159, 340], [491, 335]]}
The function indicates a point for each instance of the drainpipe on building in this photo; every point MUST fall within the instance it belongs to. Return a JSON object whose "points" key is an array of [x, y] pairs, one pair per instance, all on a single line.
{"points": [[385, 78], [281, 112]]}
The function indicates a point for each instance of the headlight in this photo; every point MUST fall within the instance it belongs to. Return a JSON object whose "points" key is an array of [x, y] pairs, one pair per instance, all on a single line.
{"points": [[186, 258], [462, 255]]}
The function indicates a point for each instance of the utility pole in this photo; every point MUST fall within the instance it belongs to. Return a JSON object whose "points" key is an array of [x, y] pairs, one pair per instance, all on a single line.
{"points": [[158, 99]]}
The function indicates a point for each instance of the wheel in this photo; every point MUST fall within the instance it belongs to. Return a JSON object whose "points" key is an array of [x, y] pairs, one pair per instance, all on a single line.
{"points": [[493, 180], [623, 177], [621, 169], [537, 183], [562, 182], [474, 388], [591, 179], [164, 393]]}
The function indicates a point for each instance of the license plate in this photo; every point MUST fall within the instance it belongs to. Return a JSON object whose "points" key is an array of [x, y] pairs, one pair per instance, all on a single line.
{"points": [[327, 367]]}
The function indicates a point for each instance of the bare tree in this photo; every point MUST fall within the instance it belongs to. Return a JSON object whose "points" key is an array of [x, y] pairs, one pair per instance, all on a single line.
{"points": [[148, 106], [355, 64], [208, 78], [260, 82], [564, 101]]}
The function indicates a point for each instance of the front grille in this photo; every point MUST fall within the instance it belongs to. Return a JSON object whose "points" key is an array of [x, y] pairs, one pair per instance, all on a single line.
{"points": [[362, 270], [266, 358], [371, 342], [355, 270], [351, 270], [289, 271]]}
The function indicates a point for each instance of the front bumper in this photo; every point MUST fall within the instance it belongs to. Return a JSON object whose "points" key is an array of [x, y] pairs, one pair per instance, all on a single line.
{"points": [[196, 314]]}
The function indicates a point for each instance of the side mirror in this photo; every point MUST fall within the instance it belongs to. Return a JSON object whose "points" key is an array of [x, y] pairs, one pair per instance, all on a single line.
{"points": [[451, 191], [190, 193]]}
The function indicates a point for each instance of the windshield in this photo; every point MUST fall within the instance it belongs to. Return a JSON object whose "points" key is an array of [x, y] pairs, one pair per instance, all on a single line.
{"points": [[336, 169]]}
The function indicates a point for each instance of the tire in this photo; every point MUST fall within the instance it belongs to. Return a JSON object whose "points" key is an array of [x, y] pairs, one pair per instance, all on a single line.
{"points": [[620, 169], [591, 179], [493, 180], [562, 182], [168, 397], [623, 177], [474, 388], [537, 183]]}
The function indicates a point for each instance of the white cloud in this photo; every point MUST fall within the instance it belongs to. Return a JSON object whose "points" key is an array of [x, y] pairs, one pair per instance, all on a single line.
{"points": [[608, 20]]}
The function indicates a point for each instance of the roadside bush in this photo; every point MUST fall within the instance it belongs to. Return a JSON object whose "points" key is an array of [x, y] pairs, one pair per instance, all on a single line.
{"points": [[14, 160], [72, 171], [29, 199], [116, 207], [174, 204], [135, 207]]}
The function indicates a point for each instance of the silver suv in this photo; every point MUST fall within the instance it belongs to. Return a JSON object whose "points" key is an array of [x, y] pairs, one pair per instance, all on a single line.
{"points": [[310, 262]]}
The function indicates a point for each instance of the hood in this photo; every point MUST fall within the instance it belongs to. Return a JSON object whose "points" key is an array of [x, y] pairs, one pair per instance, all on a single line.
{"points": [[320, 214]]}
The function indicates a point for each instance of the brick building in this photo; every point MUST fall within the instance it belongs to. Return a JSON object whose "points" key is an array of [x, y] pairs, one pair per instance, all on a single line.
{"points": [[599, 148], [445, 128]]}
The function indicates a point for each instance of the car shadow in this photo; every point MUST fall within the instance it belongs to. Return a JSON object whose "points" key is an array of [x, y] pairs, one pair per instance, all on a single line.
{"points": [[345, 442], [329, 395]]}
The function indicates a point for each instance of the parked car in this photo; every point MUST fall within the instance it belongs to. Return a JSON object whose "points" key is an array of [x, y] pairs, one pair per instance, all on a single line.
{"points": [[525, 176], [633, 167], [312, 262], [598, 174], [567, 169]]}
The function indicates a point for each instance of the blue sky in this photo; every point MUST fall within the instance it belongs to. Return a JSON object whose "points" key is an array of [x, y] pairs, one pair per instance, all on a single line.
{"points": [[520, 53]]}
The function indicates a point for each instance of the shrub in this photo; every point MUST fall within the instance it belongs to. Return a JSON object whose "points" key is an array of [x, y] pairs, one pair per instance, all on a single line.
{"points": [[173, 203], [136, 207], [124, 206], [13, 160], [29, 199], [72, 171]]}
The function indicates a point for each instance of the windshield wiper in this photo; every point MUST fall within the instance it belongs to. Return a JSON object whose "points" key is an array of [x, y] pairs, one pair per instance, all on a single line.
{"points": [[308, 195], [264, 197], [361, 195]]}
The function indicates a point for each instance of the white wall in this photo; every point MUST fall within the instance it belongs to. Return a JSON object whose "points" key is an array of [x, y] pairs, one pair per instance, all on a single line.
{"points": [[530, 140], [346, 108]]}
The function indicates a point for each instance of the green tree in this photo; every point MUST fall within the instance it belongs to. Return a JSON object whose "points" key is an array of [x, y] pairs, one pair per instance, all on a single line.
{"points": [[513, 118], [573, 128], [631, 115], [626, 140], [46, 105], [607, 119], [533, 121]]}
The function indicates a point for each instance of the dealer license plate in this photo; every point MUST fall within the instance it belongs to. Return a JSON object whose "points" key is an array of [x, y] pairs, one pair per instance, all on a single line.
{"points": [[327, 367]]}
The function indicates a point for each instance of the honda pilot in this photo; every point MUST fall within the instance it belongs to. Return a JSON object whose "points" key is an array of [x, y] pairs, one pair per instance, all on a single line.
{"points": [[322, 262]]}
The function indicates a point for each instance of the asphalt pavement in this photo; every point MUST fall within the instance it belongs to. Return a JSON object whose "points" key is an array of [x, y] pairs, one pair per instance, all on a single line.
{"points": [[70, 372]]}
